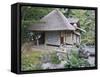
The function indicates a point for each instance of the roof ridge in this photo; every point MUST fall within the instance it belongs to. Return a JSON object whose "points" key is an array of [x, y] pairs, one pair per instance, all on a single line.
{"points": [[55, 20], [65, 20]]}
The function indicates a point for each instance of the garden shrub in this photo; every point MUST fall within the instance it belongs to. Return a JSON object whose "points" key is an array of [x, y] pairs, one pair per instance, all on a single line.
{"points": [[74, 61], [54, 58]]}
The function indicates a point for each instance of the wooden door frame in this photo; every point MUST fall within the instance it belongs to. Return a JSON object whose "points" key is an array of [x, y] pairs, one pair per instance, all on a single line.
{"points": [[61, 38]]}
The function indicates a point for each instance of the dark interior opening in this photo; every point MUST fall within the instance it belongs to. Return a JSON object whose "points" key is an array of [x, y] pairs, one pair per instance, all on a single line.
{"points": [[42, 38], [62, 40]]}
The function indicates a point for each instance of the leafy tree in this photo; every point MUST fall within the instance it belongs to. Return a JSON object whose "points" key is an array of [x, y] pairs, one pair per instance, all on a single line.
{"points": [[87, 22], [30, 16]]}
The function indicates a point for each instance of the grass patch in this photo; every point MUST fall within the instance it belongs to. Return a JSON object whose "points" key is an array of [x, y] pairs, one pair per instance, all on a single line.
{"points": [[31, 60], [54, 58]]}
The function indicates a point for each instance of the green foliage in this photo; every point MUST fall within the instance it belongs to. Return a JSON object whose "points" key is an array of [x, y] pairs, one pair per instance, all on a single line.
{"points": [[31, 15], [34, 13], [31, 60], [86, 21], [76, 62], [54, 58]]}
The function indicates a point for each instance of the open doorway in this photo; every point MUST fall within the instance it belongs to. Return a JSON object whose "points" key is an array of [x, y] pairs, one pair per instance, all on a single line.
{"points": [[42, 38], [61, 40]]}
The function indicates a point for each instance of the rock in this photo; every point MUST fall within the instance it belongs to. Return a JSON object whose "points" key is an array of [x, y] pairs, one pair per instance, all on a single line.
{"points": [[91, 60], [46, 65], [59, 66], [52, 66], [60, 56], [45, 58], [84, 53], [92, 54]]}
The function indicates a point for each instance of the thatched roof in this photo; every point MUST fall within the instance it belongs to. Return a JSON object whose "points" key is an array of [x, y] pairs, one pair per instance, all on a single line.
{"points": [[54, 21]]}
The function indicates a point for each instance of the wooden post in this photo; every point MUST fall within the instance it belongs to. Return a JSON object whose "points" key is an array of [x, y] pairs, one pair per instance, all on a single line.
{"points": [[37, 42]]}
